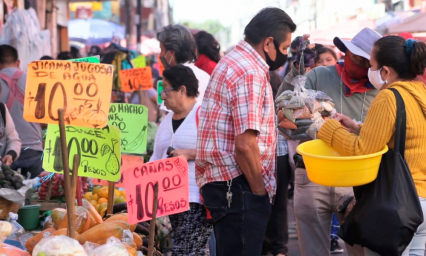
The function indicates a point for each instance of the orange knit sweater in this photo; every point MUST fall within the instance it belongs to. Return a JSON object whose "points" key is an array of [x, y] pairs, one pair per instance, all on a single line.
{"points": [[379, 128]]}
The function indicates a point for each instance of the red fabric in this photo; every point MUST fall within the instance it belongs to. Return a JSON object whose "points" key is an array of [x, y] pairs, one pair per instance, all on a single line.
{"points": [[205, 63], [354, 77], [238, 98], [406, 35]]}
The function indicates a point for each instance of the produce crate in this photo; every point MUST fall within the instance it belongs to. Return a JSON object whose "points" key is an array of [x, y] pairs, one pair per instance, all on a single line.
{"points": [[7, 206], [48, 205]]}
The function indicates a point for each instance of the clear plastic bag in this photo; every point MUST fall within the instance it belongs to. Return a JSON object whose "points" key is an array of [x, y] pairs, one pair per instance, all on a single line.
{"points": [[6, 229], [280, 116], [127, 237], [288, 113], [302, 113], [287, 124], [59, 246], [289, 134], [113, 247], [286, 95], [296, 102]]}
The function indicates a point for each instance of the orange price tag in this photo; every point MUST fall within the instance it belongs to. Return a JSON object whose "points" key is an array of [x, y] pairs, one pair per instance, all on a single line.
{"points": [[128, 162], [173, 188], [82, 89], [160, 66], [132, 79]]}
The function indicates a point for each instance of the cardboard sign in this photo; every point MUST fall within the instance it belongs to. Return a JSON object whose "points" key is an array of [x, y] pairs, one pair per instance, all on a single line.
{"points": [[82, 89], [160, 66], [99, 151], [173, 188], [159, 90], [132, 120], [127, 162], [92, 59], [139, 62], [135, 78]]}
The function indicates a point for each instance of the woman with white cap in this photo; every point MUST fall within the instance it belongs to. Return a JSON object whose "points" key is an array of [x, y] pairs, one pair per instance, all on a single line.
{"points": [[348, 85]]}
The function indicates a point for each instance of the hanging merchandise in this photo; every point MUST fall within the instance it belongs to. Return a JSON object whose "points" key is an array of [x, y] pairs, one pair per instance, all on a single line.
{"points": [[22, 31]]}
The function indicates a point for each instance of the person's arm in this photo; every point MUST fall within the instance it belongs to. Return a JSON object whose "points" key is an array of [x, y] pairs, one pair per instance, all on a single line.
{"points": [[247, 155], [376, 132], [246, 97], [13, 143], [189, 154]]}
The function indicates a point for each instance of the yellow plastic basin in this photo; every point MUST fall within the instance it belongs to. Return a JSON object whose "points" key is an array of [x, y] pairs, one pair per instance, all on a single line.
{"points": [[325, 166]]}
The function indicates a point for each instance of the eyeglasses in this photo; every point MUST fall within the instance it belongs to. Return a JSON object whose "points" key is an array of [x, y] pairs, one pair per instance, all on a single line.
{"points": [[163, 93]]}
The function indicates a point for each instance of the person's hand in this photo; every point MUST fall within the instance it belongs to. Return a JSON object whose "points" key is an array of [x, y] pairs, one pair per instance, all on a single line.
{"points": [[7, 160], [180, 152], [348, 123]]}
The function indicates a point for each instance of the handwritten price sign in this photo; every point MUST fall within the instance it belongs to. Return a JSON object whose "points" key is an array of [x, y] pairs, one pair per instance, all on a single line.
{"points": [[99, 151], [92, 59], [127, 163], [82, 89], [135, 78], [132, 120], [173, 188]]}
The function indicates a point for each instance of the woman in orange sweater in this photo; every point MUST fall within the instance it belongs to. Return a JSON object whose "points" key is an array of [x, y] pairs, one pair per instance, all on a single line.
{"points": [[395, 63]]}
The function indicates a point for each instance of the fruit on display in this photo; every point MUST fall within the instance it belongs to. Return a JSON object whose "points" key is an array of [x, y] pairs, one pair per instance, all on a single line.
{"points": [[58, 185], [122, 217], [100, 233], [33, 241], [98, 198], [9, 178]]}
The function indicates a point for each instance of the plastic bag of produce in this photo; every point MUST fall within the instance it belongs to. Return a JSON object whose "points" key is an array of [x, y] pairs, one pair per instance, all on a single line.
{"points": [[58, 246], [9, 250], [6, 229], [113, 247], [287, 124]]}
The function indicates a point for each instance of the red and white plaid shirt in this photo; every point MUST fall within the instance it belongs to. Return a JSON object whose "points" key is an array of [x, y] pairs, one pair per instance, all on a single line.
{"points": [[238, 98]]}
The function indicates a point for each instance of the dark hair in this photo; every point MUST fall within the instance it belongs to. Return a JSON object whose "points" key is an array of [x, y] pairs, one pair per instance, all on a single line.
{"points": [[46, 57], [391, 51], [181, 75], [64, 56], [323, 50], [268, 22], [208, 45], [295, 43], [8, 54], [178, 38]]}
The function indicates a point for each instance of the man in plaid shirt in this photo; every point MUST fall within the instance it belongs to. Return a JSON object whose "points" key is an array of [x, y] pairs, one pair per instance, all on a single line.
{"points": [[236, 148]]}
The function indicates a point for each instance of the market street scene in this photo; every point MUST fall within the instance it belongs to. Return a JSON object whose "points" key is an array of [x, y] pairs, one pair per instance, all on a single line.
{"points": [[212, 128]]}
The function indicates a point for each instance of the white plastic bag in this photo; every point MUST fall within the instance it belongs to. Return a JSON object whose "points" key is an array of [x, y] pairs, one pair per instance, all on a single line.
{"points": [[113, 247], [59, 246]]}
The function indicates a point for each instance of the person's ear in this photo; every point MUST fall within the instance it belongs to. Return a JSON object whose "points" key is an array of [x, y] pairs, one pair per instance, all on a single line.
{"points": [[385, 73], [183, 90], [18, 63], [268, 44]]}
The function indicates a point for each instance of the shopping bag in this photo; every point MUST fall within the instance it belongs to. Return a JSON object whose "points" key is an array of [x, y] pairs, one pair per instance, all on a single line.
{"points": [[387, 212]]}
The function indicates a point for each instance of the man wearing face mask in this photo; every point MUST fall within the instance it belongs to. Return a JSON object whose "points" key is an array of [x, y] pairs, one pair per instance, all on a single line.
{"points": [[178, 47], [348, 85], [235, 166]]}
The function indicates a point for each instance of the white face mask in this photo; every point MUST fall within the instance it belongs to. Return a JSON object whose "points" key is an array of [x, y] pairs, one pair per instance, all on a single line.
{"points": [[376, 78]]}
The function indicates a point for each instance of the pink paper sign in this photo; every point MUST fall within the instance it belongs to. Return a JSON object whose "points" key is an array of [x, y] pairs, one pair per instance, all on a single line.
{"points": [[128, 162], [173, 188]]}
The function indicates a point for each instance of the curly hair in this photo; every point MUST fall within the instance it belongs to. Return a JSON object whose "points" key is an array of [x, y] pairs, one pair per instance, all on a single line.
{"points": [[178, 38], [208, 45]]}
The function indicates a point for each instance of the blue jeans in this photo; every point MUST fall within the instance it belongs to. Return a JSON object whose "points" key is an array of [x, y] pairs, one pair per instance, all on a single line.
{"points": [[240, 229], [417, 245], [334, 227]]}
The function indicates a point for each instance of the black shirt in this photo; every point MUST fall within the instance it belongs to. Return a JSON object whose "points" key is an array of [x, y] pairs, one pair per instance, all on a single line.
{"points": [[176, 124]]}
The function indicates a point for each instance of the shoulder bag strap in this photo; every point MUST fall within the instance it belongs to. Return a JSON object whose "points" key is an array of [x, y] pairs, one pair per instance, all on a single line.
{"points": [[400, 123], [3, 113]]}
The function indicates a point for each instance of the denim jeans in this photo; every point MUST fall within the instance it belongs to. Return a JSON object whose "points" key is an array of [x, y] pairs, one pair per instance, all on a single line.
{"points": [[240, 229], [417, 245], [30, 162]]}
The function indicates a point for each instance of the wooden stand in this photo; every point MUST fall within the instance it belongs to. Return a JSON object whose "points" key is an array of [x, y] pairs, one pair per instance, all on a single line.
{"points": [[70, 185], [153, 221], [111, 188]]}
